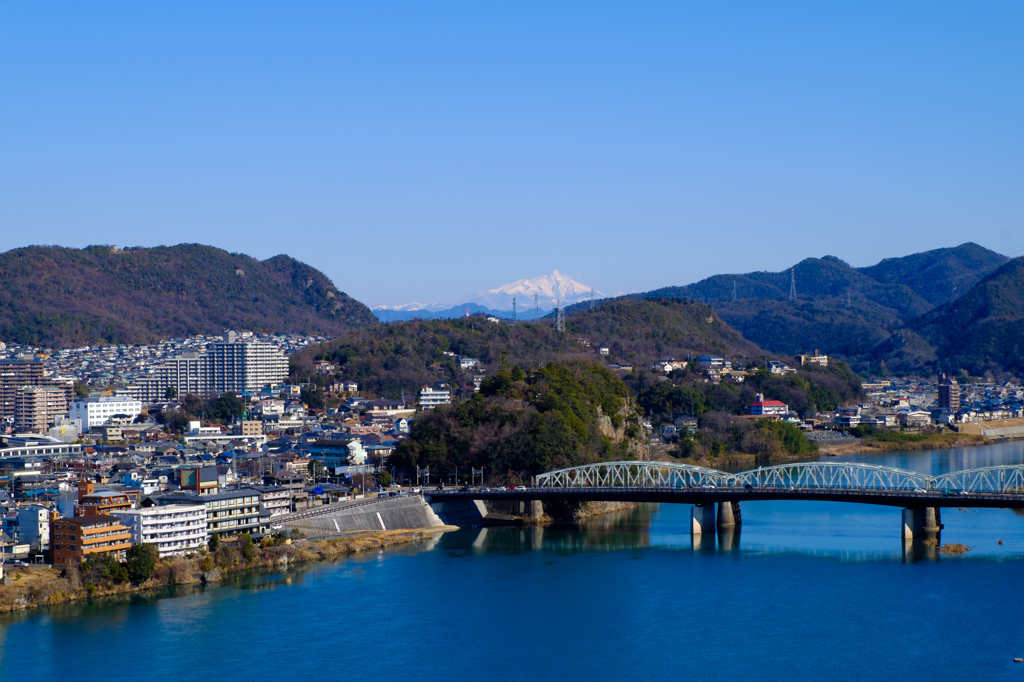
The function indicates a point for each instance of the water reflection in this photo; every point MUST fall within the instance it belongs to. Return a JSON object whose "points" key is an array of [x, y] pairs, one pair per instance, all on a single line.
{"points": [[922, 549]]}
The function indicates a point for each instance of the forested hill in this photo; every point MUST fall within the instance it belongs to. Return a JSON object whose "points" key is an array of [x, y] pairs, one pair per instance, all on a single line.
{"points": [[54, 296], [405, 356], [839, 309], [982, 330]]}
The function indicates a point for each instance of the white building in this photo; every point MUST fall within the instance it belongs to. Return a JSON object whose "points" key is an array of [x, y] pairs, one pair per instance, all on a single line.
{"points": [[245, 366], [432, 397], [173, 529], [97, 411], [467, 363], [34, 527]]}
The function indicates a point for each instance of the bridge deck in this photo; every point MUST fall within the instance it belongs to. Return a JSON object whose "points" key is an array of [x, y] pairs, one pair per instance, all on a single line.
{"points": [[901, 498]]}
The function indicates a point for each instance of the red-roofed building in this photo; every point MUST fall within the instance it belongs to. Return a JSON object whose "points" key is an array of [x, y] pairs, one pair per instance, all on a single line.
{"points": [[768, 407]]}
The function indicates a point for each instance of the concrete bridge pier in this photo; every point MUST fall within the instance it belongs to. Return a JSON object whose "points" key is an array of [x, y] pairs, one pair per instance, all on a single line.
{"points": [[920, 521], [729, 514], [702, 518]]}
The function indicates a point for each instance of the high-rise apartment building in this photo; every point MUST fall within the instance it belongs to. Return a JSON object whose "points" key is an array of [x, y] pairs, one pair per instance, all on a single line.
{"points": [[245, 365], [36, 408], [232, 365], [14, 374], [949, 394]]}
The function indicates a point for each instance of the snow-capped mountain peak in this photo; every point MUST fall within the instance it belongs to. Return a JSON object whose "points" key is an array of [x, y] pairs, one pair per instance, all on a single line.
{"points": [[548, 290]]}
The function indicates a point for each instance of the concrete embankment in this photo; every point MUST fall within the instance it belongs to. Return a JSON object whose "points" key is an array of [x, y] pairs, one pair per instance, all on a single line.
{"points": [[407, 512], [411, 512]]}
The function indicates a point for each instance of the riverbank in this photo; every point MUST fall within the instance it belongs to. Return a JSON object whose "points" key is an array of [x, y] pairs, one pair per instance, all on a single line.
{"points": [[875, 445], [34, 587]]}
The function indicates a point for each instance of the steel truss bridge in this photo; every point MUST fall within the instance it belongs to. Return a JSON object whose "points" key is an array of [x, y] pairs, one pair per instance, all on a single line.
{"points": [[998, 486]]}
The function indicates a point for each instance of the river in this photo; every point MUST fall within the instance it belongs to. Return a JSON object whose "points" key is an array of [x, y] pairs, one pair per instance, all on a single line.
{"points": [[807, 591]]}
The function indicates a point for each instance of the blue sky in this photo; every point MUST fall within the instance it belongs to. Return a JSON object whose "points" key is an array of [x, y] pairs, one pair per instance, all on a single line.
{"points": [[422, 151]]}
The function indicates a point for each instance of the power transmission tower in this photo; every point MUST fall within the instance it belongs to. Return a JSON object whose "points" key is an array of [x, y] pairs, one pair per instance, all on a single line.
{"points": [[559, 317], [591, 299], [536, 308], [514, 318], [734, 290], [792, 285]]}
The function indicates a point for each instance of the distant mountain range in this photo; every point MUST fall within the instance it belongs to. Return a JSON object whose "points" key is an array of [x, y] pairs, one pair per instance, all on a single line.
{"points": [[545, 291], [942, 310], [59, 297], [982, 330], [866, 315]]}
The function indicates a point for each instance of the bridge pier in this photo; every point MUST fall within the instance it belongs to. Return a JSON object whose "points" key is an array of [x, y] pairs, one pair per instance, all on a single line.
{"points": [[729, 514], [921, 520], [702, 518]]}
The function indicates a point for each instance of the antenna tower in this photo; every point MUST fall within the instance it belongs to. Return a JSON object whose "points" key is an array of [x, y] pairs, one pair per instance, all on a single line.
{"points": [[591, 299], [559, 317], [734, 290], [514, 317], [849, 301], [536, 308], [792, 285]]}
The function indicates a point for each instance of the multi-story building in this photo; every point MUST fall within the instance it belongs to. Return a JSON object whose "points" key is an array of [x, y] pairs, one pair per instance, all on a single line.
{"points": [[949, 394], [762, 407], [337, 453], [92, 502], [36, 408], [14, 374], [432, 397], [275, 499], [232, 365], [34, 527], [172, 529], [185, 373], [245, 365], [227, 513], [96, 411], [80, 538]]}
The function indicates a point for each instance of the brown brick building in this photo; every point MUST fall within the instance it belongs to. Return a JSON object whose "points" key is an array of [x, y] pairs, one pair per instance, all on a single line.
{"points": [[85, 538]]}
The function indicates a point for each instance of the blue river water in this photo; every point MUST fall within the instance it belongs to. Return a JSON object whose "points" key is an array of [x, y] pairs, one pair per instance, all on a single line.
{"points": [[806, 591]]}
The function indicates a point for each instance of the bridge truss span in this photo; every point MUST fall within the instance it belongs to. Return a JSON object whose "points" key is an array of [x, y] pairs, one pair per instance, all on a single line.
{"points": [[633, 475], [1006, 480], [834, 476]]}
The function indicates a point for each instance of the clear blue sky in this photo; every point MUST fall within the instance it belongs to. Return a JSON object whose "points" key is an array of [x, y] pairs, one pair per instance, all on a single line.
{"points": [[421, 151]]}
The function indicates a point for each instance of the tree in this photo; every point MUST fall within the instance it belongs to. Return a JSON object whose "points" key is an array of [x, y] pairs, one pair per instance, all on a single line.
{"points": [[248, 551], [313, 396], [140, 563], [171, 393], [384, 478], [81, 390], [213, 543]]}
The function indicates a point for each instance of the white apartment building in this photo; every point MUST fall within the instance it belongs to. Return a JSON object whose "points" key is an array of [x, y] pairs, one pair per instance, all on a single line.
{"points": [[185, 373], [172, 529], [432, 397], [245, 366], [233, 365], [96, 411]]}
